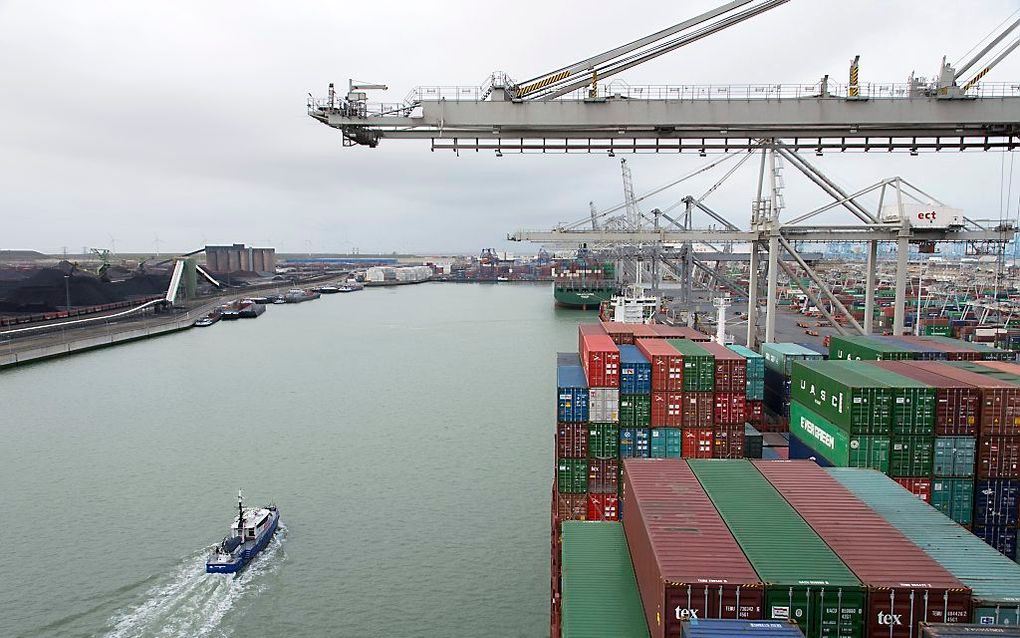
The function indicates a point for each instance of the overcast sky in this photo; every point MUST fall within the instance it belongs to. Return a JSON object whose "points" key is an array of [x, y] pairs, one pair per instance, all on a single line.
{"points": [[186, 120]]}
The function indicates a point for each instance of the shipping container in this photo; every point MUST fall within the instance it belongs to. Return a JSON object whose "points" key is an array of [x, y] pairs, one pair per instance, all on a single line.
{"points": [[835, 444], [698, 409], [755, 372], [687, 563], [698, 443], [635, 371], [667, 409], [857, 403], [599, 592], [600, 357], [858, 348], [776, 391], [572, 394], [995, 581], [911, 456], [603, 476], [572, 440], [896, 572], [1000, 401], [802, 574], [604, 405], [954, 350], [968, 631], [740, 629], [781, 356], [699, 366], [755, 412], [680, 332], [996, 501], [955, 456], [919, 487], [666, 443], [728, 441], [730, 368], [1001, 537], [572, 476], [603, 507], [798, 450], [635, 443], [603, 440], [571, 507], [753, 444], [920, 352], [666, 363], [998, 457], [914, 402], [955, 498], [985, 352], [635, 410], [958, 404], [730, 408]]}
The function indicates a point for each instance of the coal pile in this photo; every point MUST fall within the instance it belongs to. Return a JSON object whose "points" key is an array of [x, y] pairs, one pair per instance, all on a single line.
{"points": [[44, 290]]}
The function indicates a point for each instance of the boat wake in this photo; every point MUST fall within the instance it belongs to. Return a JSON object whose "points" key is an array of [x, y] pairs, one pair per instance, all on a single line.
{"points": [[192, 602]]}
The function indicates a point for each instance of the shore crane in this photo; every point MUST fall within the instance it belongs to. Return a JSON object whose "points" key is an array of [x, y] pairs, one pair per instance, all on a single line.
{"points": [[581, 108]]}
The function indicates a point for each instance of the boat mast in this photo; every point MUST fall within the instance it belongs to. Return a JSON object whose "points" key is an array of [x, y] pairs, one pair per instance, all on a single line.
{"points": [[240, 515]]}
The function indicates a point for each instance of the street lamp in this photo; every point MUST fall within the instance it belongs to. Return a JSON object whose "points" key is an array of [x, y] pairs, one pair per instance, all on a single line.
{"points": [[67, 293]]}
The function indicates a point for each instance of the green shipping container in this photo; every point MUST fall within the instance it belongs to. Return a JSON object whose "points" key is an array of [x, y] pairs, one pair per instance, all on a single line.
{"points": [[994, 579], [805, 581], [699, 366], [666, 443], [955, 456], [914, 402], [853, 401], [954, 498], [836, 445], [599, 591], [988, 353], [635, 410], [937, 331], [911, 456], [856, 348], [781, 356], [572, 476], [603, 440]]}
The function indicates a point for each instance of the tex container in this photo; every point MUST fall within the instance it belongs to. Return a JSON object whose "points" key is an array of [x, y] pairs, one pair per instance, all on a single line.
{"points": [[600, 357], [781, 356], [698, 409], [571, 394], [914, 402], [572, 440], [1000, 400], [699, 366], [954, 497], [688, 564], [635, 371], [635, 410], [993, 579], [804, 579], [836, 445], [957, 404], [667, 365], [911, 456], [698, 443], [599, 592], [857, 403], [905, 586], [572, 476], [635, 443], [603, 440], [739, 629], [939, 630], [730, 368], [955, 456], [667, 409], [856, 348], [755, 372], [666, 443], [996, 501], [604, 405]]}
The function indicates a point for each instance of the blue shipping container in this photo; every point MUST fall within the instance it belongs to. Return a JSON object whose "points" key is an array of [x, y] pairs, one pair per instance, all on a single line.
{"points": [[635, 443], [955, 456], [714, 628], [995, 502], [800, 450], [666, 443], [635, 371], [571, 394], [1001, 537]]}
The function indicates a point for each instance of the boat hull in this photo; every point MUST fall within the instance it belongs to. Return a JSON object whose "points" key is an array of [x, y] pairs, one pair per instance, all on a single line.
{"points": [[247, 553], [583, 298]]}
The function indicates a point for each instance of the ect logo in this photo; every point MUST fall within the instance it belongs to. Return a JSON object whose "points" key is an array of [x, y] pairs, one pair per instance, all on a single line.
{"points": [[928, 215], [686, 614], [889, 619]]}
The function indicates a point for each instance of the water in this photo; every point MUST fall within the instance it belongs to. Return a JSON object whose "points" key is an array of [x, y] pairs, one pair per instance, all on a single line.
{"points": [[405, 433]]}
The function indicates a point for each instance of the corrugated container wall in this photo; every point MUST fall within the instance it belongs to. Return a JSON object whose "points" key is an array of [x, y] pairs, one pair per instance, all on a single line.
{"points": [[740, 629], [635, 371]]}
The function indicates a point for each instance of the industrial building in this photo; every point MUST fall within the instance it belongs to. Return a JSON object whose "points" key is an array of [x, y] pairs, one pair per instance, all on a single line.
{"points": [[238, 257]]}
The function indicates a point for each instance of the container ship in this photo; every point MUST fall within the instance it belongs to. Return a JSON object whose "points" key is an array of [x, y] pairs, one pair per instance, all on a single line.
{"points": [[673, 504], [584, 284]]}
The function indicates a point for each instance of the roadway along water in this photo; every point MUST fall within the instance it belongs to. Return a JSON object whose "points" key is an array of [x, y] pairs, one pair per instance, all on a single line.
{"points": [[405, 433]]}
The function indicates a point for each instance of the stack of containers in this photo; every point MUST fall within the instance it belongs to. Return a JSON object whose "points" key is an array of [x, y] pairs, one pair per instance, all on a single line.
{"points": [[779, 360], [803, 577], [985, 353], [600, 358], [897, 574], [628, 333], [688, 564], [755, 393], [635, 402], [920, 352], [956, 419], [698, 398], [995, 581], [570, 500], [856, 348], [730, 414]]}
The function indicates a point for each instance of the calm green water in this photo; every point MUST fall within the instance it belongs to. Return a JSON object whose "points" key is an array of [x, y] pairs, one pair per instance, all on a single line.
{"points": [[406, 435]]}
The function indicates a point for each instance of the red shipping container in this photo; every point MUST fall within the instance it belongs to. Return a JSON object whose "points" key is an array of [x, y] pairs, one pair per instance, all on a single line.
{"points": [[644, 331], [681, 332], [998, 457], [572, 440], [898, 575], [730, 408], [685, 559], [958, 406], [603, 507], [603, 476], [1000, 401], [698, 443], [755, 413], [667, 409], [919, 487], [728, 441], [730, 368], [667, 364], [698, 409], [570, 507], [620, 333], [601, 360]]}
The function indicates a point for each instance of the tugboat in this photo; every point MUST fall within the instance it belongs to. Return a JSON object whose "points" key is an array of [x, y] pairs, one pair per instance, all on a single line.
{"points": [[208, 320], [249, 534], [350, 286]]}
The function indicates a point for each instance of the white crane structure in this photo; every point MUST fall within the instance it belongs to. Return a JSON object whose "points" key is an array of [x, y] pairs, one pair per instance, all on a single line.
{"points": [[574, 109]]}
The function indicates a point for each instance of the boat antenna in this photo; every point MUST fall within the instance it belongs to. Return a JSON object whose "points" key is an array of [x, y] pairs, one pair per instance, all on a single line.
{"points": [[240, 515]]}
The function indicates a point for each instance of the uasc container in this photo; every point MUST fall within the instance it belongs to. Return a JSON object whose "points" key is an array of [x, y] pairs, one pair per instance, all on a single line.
{"points": [[850, 400]]}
